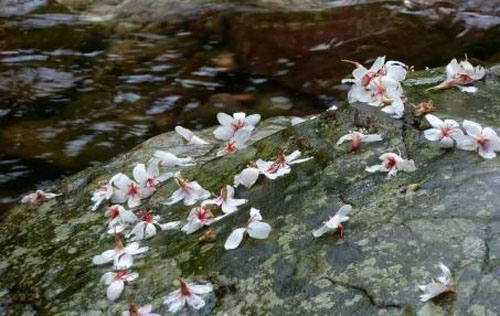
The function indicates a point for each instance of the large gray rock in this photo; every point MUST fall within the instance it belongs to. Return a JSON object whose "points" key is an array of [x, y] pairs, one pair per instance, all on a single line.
{"points": [[391, 243]]}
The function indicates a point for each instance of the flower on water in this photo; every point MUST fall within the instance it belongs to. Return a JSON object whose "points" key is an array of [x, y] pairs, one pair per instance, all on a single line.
{"points": [[483, 140], [149, 179], [145, 310], [125, 190], [334, 223], [116, 282], [119, 218], [103, 192], [168, 159], [39, 197], [357, 138], [197, 218], [460, 75], [281, 166], [255, 229], [236, 143], [190, 294], [147, 227], [233, 125], [225, 200], [443, 132], [121, 256], [392, 163], [247, 177], [189, 136], [190, 192], [438, 286]]}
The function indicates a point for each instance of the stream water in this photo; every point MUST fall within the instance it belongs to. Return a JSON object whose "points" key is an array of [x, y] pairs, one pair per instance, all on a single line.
{"points": [[74, 94]]}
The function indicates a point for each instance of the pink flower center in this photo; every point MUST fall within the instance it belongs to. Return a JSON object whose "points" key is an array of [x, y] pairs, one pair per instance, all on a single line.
{"points": [[464, 78], [483, 142], [39, 196], [446, 131], [146, 217], [151, 183], [356, 143], [237, 125], [113, 212], [391, 163], [120, 275], [132, 190], [231, 148], [367, 78], [202, 214], [184, 288]]}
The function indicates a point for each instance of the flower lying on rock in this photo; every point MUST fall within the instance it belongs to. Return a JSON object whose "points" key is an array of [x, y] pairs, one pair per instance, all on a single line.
{"points": [[357, 138], [147, 227], [125, 190], [239, 141], [149, 179], [247, 177], [190, 294], [438, 286], [119, 218], [461, 75], [103, 192], [443, 132], [145, 310], [189, 136], [116, 282], [231, 126], [281, 166], [394, 70], [225, 200], [190, 192], [334, 223], [168, 159], [255, 229], [483, 140], [39, 196], [392, 163], [197, 218], [121, 256]]}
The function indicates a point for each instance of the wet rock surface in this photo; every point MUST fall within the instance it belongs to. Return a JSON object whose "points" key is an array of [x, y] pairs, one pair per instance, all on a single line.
{"points": [[391, 244]]}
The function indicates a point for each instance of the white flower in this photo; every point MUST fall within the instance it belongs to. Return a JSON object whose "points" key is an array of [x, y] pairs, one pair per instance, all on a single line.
{"points": [[168, 159], [147, 227], [121, 256], [149, 179], [125, 190], [190, 192], [189, 136], [225, 200], [394, 70], [197, 218], [483, 140], [440, 285], [116, 282], [39, 197], [357, 138], [119, 218], [461, 74], [236, 143], [281, 166], [334, 223], [190, 294], [232, 125], [255, 229], [392, 163], [145, 310], [247, 177], [443, 132], [103, 192]]}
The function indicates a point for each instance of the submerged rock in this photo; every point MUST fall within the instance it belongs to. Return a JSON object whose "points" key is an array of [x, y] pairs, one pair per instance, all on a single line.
{"points": [[390, 245]]}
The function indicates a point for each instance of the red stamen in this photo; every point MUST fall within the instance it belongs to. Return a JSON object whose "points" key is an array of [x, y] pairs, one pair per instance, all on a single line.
{"points": [[184, 288]]}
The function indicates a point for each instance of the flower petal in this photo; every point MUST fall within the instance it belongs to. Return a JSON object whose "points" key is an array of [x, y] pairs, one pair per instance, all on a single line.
{"points": [[259, 230], [234, 239], [114, 290]]}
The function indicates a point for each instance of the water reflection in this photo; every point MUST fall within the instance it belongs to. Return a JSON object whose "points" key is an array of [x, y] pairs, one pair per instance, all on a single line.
{"points": [[70, 91]]}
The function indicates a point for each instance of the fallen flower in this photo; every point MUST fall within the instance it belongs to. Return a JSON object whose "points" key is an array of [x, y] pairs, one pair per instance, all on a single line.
{"points": [[438, 286], [232, 125], [225, 200], [190, 294], [461, 74], [39, 197], [395, 70], [103, 192], [281, 166], [392, 163], [149, 179], [116, 282], [255, 229], [236, 143], [334, 223], [443, 132], [357, 138], [197, 218], [190, 192], [483, 140], [189, 136], [119, 218], [125, 190], [121, 256], [168, 159], [145, 310], [247, 177], [147, 227]]}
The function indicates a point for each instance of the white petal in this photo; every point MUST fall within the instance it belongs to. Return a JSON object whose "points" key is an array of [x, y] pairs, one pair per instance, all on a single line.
{"points": [[370, 138], [433, 134], [472, 128], [259, 230], [224, 133], [234, 240], [195, 301], [446, 142], [170, 225], [466, 142], [123, 261], [252, 119], [468, 89], [247, 177], [345, 138], [184, 132], [255, 214], [224, 119], [434, 121], [374, 168], [114, 290], [321, 231], [201, 289], [105, 257], [150, 231], [192, 226], [108, 277], [175, 197], [140, 174]]}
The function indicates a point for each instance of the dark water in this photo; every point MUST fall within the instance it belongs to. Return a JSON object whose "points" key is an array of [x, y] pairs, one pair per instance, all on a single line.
{"points": [[75, 94]]}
